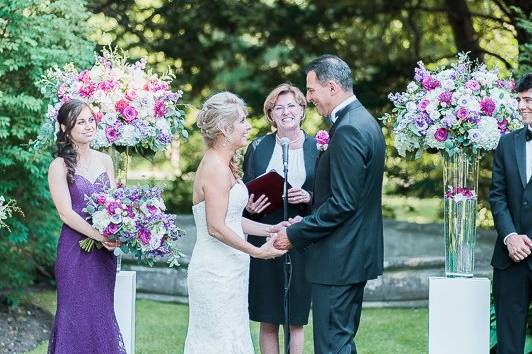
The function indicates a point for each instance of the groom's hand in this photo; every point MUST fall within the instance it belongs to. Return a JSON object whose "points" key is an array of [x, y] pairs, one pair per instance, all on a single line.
{"points": [[282, 242]]}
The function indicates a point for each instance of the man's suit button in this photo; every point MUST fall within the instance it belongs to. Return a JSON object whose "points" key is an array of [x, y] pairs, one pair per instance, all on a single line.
{"points": [[525, 203]]}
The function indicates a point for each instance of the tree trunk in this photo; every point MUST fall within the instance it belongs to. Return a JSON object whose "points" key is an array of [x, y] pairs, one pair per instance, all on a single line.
{"points": [[462, 26]]}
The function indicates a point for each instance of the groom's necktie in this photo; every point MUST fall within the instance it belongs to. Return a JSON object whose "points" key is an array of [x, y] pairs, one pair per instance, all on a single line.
{"points": [[528, 135]]}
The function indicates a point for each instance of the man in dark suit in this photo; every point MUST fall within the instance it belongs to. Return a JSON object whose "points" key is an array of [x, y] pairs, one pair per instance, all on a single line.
{"points": [[344, 233], [511, 205]]}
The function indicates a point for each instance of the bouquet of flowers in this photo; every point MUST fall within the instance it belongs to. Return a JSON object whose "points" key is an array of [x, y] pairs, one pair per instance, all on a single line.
{"points": [[133, 107], [7, 209], [134, 216], [463, 107]]}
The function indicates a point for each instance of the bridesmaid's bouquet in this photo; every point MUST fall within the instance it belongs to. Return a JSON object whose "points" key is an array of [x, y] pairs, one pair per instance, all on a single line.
{"points": [[134, 216], [133, 106], [7, 209], [464, 106]]}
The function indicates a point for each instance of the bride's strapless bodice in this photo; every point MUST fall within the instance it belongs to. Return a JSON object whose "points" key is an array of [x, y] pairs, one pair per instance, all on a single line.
{"points": [[207, 245]]}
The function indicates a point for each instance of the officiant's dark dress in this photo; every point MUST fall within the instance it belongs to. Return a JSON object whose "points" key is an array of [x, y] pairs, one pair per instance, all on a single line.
{"points": [[266, 277]]}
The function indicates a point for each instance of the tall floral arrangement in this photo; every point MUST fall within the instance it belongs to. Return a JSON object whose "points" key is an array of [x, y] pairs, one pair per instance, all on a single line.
{"points": [[462, 107], [133, 106]]}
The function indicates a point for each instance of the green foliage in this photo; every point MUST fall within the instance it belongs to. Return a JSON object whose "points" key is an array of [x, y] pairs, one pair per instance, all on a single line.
{"points": [[34, 35], [525, 48]]}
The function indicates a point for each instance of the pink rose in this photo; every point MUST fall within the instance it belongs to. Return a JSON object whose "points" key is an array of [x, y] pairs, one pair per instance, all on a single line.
{"points": [[120, 105], [422, 106], [129, 113], [101, 199], [131, 94], [160, 109], [462, 113], [111, 134], [107, 86], [441, 135], [87, 90], [473, 85], [322, 140]]}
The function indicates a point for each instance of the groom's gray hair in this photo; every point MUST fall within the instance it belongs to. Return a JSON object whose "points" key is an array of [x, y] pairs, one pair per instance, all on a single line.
{"points": [[330, 67]]}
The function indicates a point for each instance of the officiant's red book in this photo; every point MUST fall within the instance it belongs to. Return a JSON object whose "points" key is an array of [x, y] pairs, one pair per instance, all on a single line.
{"points": [[270, 184]]}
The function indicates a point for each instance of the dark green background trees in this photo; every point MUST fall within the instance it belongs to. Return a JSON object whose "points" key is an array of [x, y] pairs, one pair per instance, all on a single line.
{"points": [[33, 36]]}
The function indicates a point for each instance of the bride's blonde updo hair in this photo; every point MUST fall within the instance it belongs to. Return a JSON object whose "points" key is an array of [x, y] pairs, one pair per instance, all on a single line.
{"points": [[217, 115]]}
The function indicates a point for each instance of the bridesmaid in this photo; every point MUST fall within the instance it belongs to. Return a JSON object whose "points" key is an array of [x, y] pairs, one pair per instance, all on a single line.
{"points": [[85, 320]]}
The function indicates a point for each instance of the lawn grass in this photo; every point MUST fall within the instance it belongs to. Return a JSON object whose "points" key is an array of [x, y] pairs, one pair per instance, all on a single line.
{"points": [[161, 328]]}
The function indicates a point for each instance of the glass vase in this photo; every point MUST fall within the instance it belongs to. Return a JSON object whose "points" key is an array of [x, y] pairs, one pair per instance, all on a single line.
{"points": [[120, 159], [460, 181]]}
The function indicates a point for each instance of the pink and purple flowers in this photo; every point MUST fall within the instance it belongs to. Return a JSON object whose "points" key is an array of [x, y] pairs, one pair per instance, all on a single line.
{"points": [[460, 194], [133, 106], [322, 140], [136, 218], [462, 107]]}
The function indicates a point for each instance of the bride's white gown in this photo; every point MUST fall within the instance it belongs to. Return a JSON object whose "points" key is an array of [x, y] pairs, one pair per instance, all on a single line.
{"points": [[218, 286]]}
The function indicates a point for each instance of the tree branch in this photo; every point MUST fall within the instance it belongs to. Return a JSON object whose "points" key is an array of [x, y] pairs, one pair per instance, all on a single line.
{"points": [[473, 14], [506, 62]]}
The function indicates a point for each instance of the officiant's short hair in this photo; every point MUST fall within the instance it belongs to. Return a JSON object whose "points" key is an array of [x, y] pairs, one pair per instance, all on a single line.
{"points": [[329, 67], [272, 97], [524, 83]]}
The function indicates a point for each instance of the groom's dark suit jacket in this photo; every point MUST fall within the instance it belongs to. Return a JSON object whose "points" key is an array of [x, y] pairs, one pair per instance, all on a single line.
{"points": [[344, 233], [510, 194]]}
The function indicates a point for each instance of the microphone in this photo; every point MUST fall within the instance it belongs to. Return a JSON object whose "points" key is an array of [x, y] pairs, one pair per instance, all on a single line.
{"points": [[285, 142]]}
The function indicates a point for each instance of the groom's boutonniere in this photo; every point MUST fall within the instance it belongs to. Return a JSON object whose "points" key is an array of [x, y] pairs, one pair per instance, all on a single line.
{"points": [[322, 138]]}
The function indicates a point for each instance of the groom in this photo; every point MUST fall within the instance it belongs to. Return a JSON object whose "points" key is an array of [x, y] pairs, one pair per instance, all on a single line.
{"points": [[344, 233]]}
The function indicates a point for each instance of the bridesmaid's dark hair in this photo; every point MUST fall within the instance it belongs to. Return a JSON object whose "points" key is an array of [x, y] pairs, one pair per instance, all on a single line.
{"points": [[67, 117]]}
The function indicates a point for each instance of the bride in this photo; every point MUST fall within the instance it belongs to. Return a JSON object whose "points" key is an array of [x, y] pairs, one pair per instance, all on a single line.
{"points": [[219, 266]]}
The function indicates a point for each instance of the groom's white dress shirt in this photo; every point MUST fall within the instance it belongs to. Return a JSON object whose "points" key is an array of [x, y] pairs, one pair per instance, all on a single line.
{"points": [[343, 104]]}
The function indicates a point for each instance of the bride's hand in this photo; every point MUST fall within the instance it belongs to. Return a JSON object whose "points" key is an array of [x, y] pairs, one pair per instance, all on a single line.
{"points": [[111, 245], [268, 250]]}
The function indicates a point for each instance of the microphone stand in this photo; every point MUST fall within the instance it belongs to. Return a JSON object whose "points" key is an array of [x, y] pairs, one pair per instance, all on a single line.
{"points": [[287, 266]]}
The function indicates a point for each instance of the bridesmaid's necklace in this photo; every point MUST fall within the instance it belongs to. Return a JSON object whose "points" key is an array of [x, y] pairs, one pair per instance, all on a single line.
{"points": [[297, 140]]}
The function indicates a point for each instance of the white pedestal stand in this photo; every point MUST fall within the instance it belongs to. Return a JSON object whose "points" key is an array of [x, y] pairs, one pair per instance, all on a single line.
{"points": [[125, 293], [459, 315]]}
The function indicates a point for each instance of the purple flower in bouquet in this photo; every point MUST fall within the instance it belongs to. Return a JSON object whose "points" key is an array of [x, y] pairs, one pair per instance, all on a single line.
{"points": [[422, 106], [164, 138], [160, 109], [419, 74], [473, 117], [129, 113], [112, 208], [441, 134], [487, 106], [462, 113], [449, 120], [140, 64], [445, 97], [429, 83], [503, 126], [473, 85], [111, 134], [474, 135], [100, 199], [145, 236], [111, 229], [421, 123]]}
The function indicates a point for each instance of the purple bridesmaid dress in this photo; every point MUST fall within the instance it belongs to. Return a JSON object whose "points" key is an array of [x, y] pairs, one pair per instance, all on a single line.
{"points": [[85, 320]]}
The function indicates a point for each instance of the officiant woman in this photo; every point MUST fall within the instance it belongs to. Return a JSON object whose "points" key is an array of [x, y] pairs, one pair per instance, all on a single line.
{"points": [[284, 108]]}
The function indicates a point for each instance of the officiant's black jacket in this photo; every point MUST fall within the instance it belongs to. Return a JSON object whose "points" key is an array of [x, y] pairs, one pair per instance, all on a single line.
{"points": [[344, 233], [510, 194]]}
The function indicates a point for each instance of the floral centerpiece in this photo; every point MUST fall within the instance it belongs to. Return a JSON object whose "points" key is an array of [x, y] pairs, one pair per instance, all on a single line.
{"points": [[7, 209], [133, 106], [464, 107], [462, 111], [134, 216]]}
